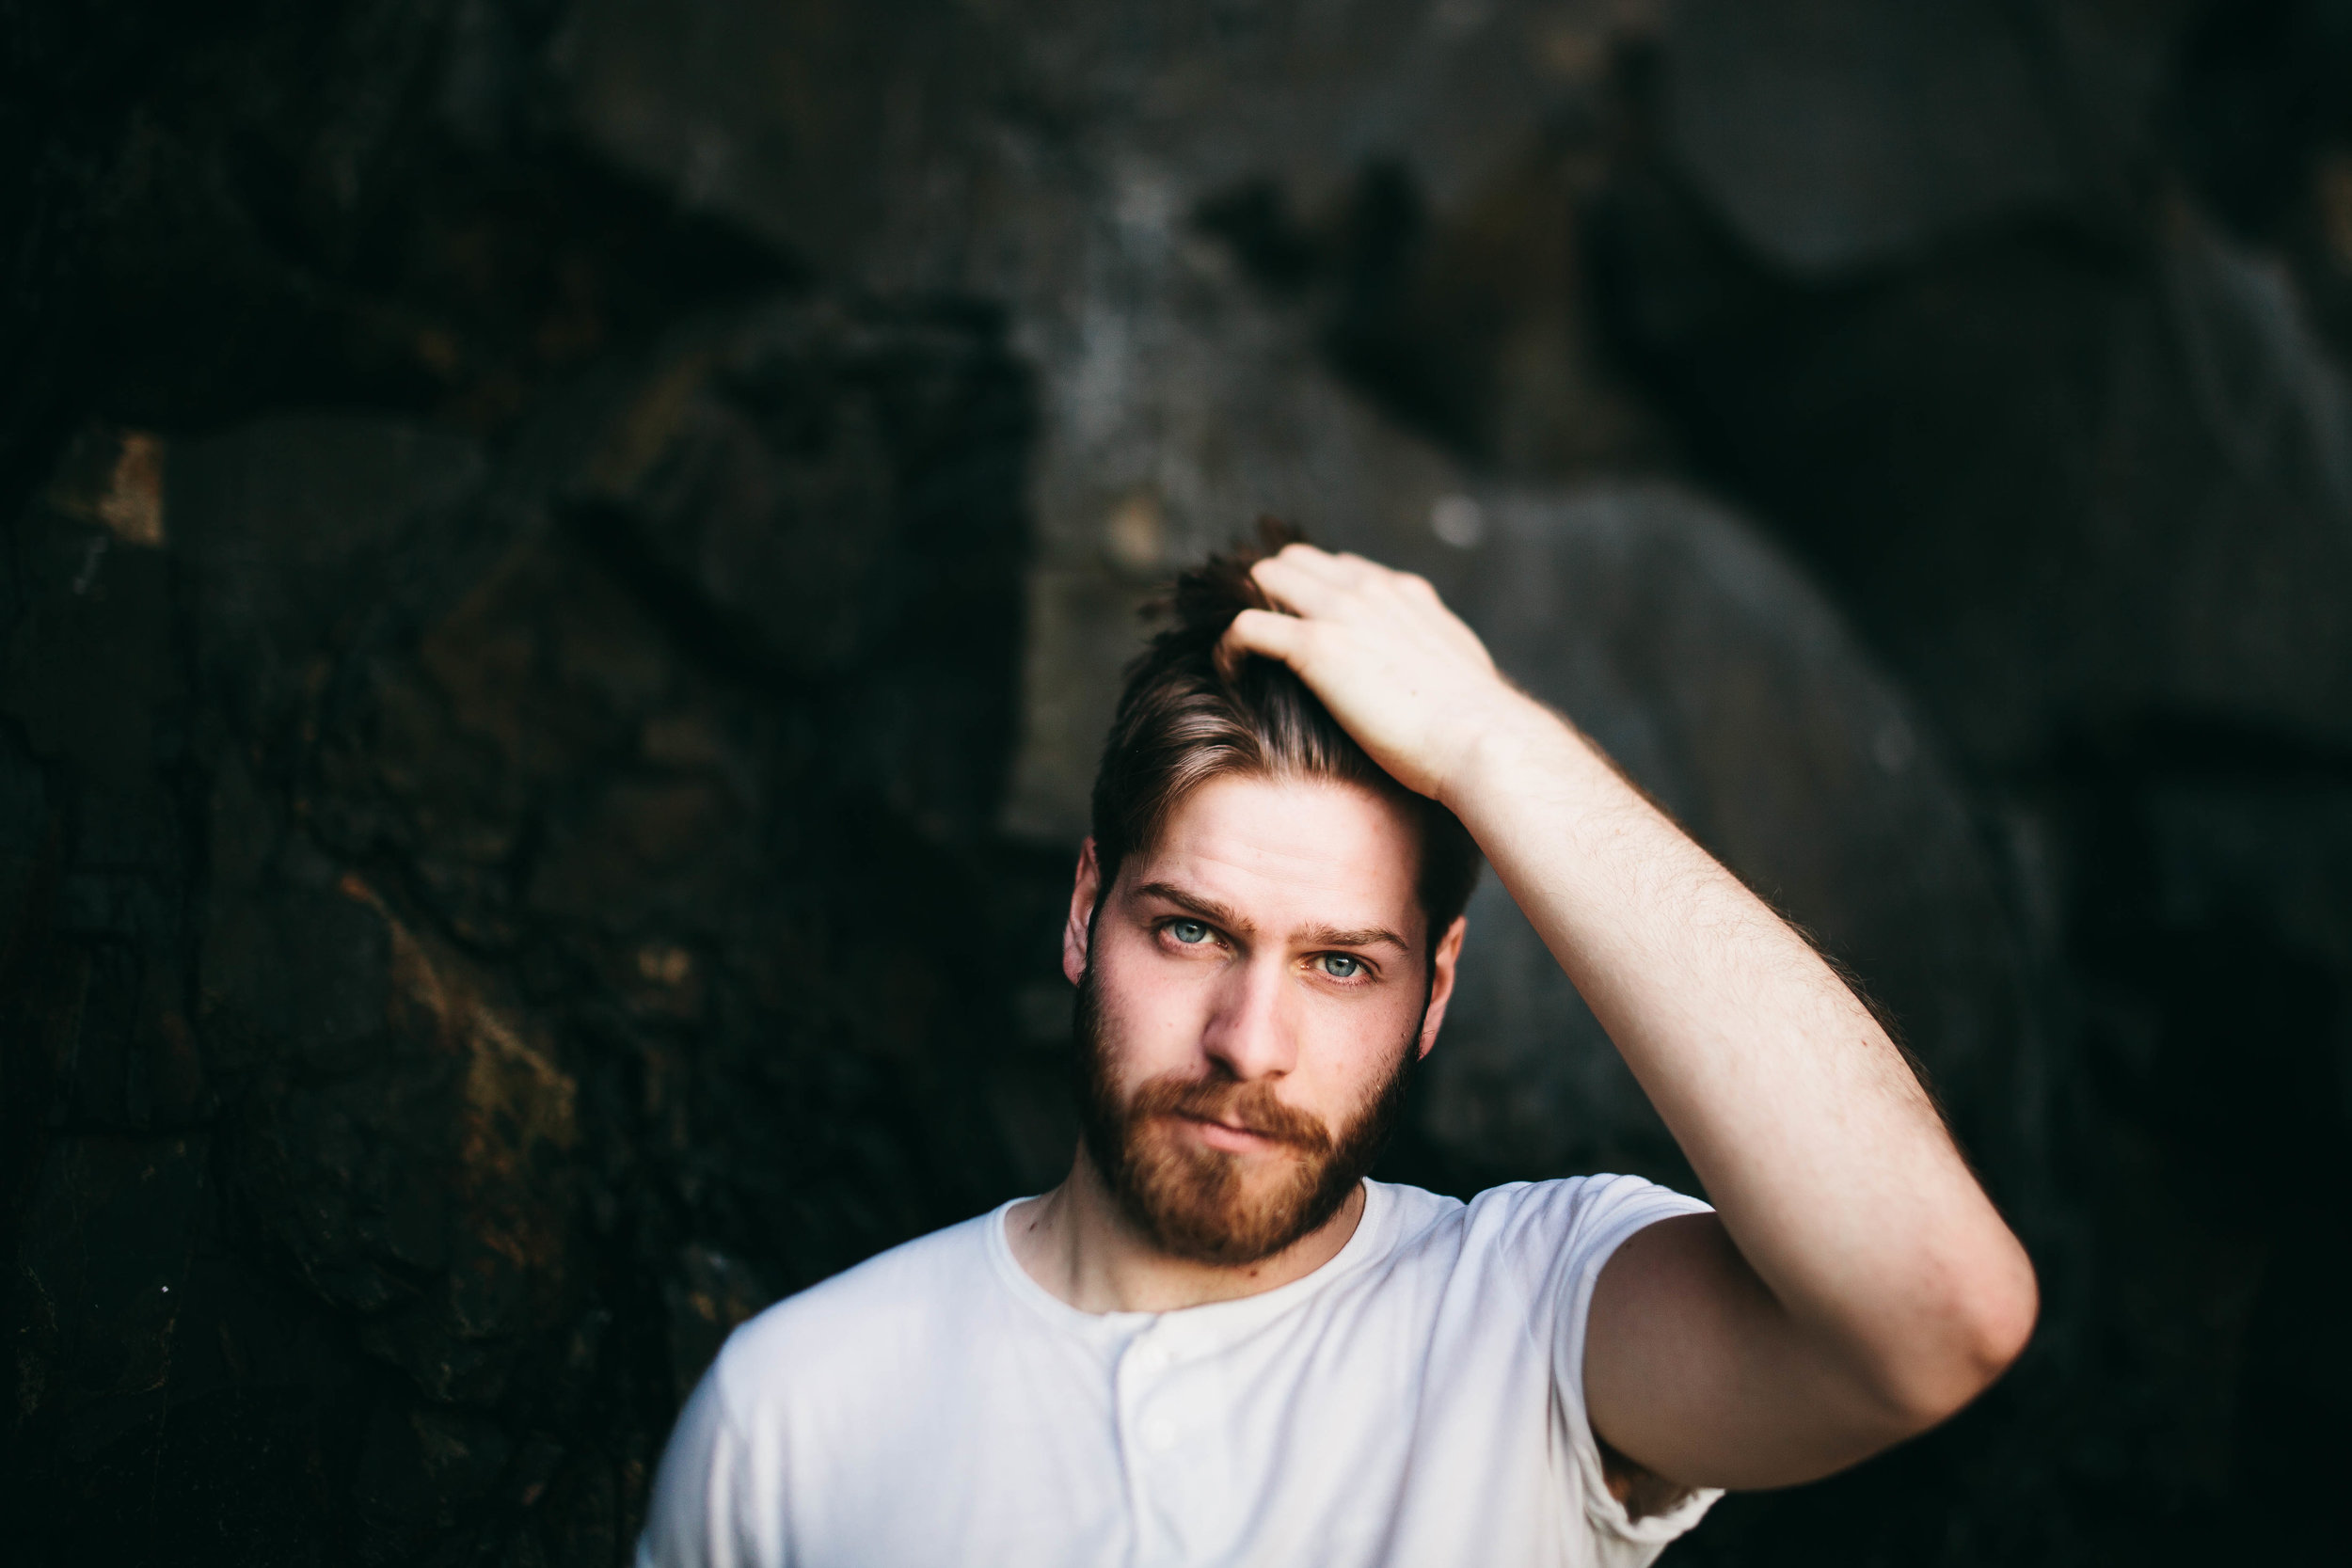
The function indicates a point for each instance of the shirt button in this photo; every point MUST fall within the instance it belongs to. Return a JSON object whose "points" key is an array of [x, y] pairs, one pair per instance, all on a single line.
{"points": [[1159, 1436]]}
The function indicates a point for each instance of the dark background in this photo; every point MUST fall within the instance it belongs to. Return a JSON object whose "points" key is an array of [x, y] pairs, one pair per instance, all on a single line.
{"points": [[564, 560]]}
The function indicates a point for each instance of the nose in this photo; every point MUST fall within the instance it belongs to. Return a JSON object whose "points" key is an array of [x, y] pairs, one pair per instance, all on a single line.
{"points": [[1251, 1033]]}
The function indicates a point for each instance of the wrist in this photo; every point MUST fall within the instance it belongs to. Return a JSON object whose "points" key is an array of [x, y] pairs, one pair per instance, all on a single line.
{"points": [[1502, 741]]}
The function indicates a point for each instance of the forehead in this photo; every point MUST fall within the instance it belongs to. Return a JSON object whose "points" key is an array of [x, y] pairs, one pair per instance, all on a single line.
{"points": [[1289, 852]]}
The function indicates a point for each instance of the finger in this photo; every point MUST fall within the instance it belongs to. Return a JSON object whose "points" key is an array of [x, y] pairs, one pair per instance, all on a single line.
{"points": [[1262, 632], [1368, 576], [1309, 558], [1296, 586], [1358, 569], [1350, 574], [1344, 588], [1362, 573]]}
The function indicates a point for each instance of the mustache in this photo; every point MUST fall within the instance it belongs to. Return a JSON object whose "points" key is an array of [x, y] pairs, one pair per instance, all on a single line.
{"points": [[1252, 1107]]}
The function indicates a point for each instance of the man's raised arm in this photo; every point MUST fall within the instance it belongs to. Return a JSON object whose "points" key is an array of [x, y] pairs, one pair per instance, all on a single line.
{"points": [[1855, 1285]]}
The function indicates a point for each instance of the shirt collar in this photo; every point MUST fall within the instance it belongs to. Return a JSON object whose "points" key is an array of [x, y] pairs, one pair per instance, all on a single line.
{"points": [[1216, 1322]]}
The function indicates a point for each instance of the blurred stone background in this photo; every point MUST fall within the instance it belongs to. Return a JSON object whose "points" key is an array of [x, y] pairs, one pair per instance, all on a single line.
{"points": [[565, 562]]}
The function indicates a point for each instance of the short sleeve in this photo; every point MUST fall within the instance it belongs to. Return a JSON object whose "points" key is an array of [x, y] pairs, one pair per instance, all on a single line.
{"points": [[699, 1513], [1566, 1234]]}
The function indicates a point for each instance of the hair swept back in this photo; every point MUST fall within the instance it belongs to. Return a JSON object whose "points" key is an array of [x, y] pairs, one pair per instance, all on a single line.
{"points": [[1182, 721]]}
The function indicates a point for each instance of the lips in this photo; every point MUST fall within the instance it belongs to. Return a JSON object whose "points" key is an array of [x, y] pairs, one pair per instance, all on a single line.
{"points": [[1238, 1130], [1234, 1127], [1239, 1110]]}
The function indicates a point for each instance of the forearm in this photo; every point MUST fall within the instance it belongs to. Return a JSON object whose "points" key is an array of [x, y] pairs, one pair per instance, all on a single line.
{"points": [[1823, 1155]]}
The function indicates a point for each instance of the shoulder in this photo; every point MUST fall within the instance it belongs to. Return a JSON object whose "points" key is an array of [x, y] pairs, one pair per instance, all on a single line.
{"points": [[1542, 1214], [1543, 1229], [874, 1321], [1415, 1215]]}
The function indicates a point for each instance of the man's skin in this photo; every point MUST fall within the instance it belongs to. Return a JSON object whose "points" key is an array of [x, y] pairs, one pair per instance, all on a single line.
{"points": [[1855, 1285]]}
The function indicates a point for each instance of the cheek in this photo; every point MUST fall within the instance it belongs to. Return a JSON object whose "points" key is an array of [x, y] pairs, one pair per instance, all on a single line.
{"points": [[1351, 1049], [1152, 1013]]}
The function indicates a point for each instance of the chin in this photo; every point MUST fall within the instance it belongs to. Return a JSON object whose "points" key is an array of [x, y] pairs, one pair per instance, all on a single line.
{"points": [[1216, 1206]]}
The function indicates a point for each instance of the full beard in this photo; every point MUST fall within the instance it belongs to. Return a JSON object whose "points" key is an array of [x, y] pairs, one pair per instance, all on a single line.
{"points": [[1200, 1203]]}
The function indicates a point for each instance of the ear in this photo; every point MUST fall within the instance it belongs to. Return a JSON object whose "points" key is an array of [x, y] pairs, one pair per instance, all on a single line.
{"points": [[1449, 953], [1083, 890]]}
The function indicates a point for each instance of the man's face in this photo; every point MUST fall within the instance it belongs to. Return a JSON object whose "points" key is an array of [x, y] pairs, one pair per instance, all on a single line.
{"points": [[1251, 996]]}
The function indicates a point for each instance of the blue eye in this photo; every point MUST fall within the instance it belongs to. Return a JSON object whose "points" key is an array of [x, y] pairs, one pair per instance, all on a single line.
{"points": [[1339, 966], [1190, 932]]}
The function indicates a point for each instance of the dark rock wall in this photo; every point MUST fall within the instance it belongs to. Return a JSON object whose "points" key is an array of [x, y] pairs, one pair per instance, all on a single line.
{"points": [[563, 560], [507, 696]]}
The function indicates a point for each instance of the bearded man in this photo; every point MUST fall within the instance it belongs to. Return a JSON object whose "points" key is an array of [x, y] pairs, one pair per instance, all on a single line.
{"points": [[1216, 1342]]}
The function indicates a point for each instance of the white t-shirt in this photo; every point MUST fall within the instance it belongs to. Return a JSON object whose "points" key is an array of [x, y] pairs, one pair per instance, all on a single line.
{"points": [[1417, 1400]]}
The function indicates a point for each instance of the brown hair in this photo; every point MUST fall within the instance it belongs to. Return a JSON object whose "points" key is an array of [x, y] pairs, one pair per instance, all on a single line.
{"points": [[1182, 721]]}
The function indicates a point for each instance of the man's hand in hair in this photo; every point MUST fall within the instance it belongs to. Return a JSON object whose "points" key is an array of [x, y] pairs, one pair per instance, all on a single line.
{"points": [[1399, 669]]}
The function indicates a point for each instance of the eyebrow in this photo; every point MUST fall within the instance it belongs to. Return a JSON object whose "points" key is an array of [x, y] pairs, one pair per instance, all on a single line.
{"points": [[1207, 909], [1231, 919], [1371, 936]]}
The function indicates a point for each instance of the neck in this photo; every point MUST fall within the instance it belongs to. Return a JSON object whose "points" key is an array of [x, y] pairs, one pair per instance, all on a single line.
{"points": [[1078, 1245]]}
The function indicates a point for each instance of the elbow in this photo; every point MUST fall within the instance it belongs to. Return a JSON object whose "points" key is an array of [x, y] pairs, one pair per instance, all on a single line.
{"points": [[1997, 1325], [1980, 1326], [2009, 1322]]}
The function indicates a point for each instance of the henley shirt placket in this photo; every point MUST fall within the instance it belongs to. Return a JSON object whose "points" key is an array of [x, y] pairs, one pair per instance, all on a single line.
{"points": [[1154, 1426]]}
